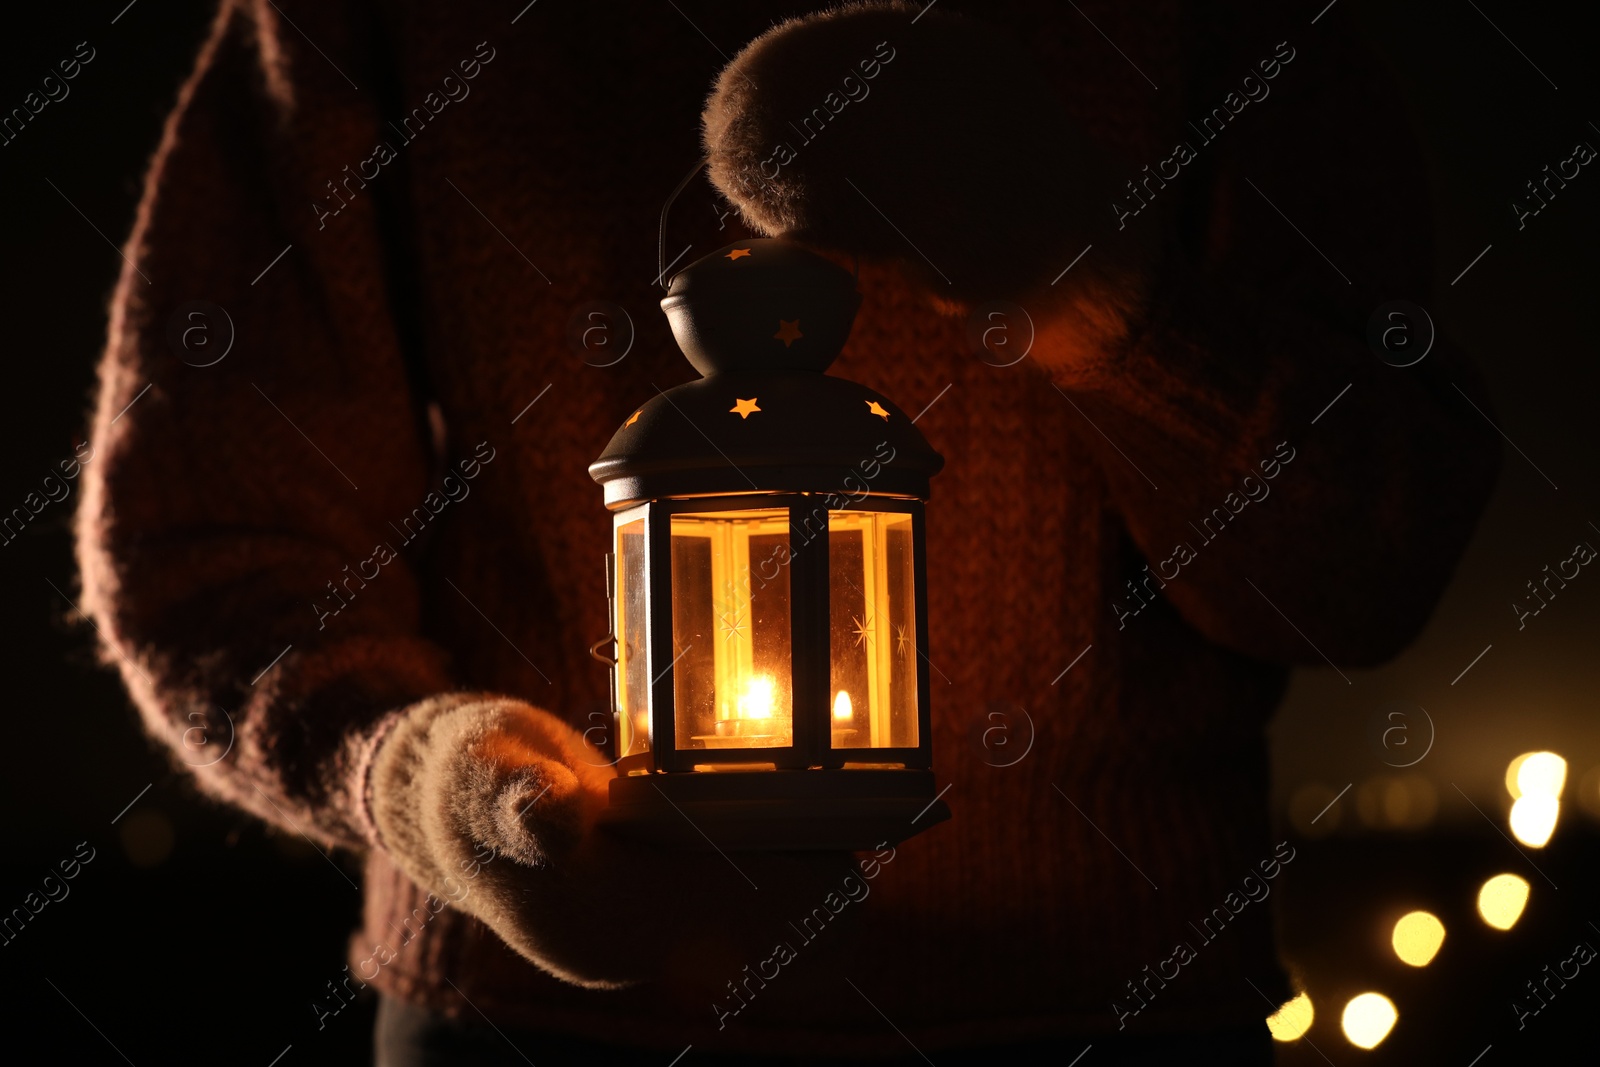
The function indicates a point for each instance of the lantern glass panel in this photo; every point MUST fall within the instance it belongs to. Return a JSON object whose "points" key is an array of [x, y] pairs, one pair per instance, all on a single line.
{"points": [[731, 638], [632, 631], [873, 629]]}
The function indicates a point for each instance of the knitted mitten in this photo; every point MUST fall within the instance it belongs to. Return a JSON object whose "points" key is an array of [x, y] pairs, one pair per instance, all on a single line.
{"points": [[463, 773]]}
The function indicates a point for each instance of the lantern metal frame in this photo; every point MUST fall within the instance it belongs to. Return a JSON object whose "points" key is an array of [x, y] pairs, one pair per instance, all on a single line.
{"points": [[810, 656]]}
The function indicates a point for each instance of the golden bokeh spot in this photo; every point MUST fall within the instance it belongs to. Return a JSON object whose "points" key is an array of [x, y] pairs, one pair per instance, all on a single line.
{"points": [[1290, 1022], [788, 332], [1367, 1020], [1417, 938], [634, 417], [1312, 812], [1536, 773], [737, 253], [1512, 770], [877, 409], [1533, 818], [1502, 899], [744, 408]]}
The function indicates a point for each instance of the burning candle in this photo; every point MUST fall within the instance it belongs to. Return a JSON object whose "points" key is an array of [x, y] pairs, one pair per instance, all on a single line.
{"points": [[842, 711], [756, 700]]}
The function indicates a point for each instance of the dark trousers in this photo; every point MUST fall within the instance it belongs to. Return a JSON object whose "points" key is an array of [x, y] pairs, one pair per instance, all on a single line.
{"points": [[412, 1037]]}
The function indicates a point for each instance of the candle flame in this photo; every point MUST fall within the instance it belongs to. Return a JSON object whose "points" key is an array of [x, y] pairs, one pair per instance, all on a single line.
{"points": [[842, 710], [756, 700]]}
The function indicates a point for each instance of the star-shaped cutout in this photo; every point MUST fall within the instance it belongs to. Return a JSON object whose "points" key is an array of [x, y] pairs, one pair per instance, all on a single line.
{"points": [[877, 409], [744, 408], [788, 332], [863, 630], [634, 418], [737, 253], [734, 627]]}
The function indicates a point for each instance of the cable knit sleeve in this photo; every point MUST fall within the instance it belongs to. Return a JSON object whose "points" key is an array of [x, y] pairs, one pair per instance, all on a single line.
{"points": [[1304, 215], [229, 495]]}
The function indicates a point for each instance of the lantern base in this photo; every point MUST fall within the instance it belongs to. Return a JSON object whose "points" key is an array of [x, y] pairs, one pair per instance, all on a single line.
{"points": [[848, 810]]}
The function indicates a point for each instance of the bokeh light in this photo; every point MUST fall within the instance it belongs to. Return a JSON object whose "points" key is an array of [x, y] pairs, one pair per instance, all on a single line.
{"points": [[1312, 811], [1536, 773], [1513, 770], [1417, 938], [1395, 802], [1292, 1020], [147, 837], [1533, 818], [1368, 1019], [1502, 899]]}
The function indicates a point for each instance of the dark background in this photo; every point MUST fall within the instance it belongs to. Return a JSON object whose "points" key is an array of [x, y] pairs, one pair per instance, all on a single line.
{"points": [[198, 935]]}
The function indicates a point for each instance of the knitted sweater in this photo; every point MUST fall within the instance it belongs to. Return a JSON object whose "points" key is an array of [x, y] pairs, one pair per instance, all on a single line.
{"points": [[399, 221]]}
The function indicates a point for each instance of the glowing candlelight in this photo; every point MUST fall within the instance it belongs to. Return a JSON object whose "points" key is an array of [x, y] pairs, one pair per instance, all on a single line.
{"points": [[756, 700], [842, 710]]}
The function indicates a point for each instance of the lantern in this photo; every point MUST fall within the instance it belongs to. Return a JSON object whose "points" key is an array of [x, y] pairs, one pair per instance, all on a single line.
{"points": [[767, 583]]}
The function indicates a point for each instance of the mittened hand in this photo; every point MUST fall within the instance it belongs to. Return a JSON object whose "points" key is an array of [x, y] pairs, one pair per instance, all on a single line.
{"points": [[459, 775], [933, 144]]}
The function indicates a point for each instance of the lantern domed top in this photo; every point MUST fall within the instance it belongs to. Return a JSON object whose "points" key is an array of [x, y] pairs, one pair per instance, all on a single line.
{"points": [[761, 319], [723, 308]]}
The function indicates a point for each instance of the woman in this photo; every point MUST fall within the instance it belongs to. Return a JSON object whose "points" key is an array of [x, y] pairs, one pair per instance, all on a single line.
{"points": [[367, 534]]}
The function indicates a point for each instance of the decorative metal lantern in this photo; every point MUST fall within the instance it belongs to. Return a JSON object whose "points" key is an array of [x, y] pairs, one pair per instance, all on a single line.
{"points": [[767, 579]]}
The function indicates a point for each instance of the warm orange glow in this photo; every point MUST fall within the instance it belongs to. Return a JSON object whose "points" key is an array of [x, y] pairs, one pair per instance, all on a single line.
{"points": [[1417, 938], [731, 644], [755, 702], [632, 682], [872, 627]]}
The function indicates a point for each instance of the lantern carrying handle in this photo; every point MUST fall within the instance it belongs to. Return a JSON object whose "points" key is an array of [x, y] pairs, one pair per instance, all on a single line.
{"points": [[598, 650], [661, 231]]}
